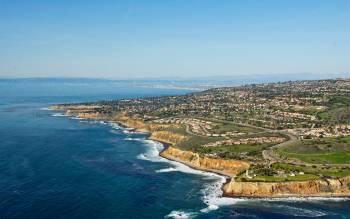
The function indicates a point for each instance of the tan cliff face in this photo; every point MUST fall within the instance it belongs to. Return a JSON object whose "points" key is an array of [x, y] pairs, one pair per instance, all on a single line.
{"points": [[325, 187], [167, 136], [227, 167], [158, 127], [129, 122]]}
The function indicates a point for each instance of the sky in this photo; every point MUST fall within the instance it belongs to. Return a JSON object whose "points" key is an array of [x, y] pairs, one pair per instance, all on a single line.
{"points": [[173, 38]]}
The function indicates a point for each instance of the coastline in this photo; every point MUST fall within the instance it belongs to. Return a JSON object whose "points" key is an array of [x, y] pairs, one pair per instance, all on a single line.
{"points": [[166, 146], [228, 177], [230, 188]]}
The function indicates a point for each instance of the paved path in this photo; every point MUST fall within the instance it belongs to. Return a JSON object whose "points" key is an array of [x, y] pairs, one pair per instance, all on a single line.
{"points": [[270, 155]]}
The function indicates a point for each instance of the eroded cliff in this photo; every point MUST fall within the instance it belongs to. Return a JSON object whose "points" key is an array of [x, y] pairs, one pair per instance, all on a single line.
{"points": [[321, 187], [226, 167]]}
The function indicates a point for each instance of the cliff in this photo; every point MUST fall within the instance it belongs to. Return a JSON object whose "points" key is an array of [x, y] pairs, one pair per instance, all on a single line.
{"points": [[225, 167], [137, 124], [168, 137], [322, 187]]}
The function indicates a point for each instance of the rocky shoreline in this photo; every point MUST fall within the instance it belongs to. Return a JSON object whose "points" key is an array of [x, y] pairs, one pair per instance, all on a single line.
{"points": [[228, 168]]}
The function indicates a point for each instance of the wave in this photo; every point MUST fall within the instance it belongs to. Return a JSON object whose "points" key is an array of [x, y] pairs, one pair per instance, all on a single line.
{"points": [[46, 109], [76, 118], [114, 125], [181, 215], [132, 131], [212, 193], [297, 212], [59, 115], [134, 139], [166, 170], [114, 131]]}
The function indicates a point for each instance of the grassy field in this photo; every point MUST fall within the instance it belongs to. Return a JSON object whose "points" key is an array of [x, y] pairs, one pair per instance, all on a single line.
{"points": [[235, 151], [320, 151]]}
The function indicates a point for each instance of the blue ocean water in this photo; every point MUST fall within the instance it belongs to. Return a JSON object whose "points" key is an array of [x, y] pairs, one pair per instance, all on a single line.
{"points": [[58, 167]]}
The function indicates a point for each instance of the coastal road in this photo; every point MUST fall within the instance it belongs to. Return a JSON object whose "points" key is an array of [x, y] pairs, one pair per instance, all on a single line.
{"points": [[270, 155]]}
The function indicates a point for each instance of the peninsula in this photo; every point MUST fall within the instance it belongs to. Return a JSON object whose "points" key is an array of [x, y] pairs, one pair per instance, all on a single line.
{"points": [[287, 139]]}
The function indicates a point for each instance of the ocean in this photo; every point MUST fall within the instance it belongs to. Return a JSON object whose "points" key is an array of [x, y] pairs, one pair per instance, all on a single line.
{"points": [[52, 166]]}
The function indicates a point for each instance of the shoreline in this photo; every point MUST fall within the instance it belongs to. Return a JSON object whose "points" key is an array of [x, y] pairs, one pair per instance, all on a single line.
{"points": [[166, 145], [229, 178]]}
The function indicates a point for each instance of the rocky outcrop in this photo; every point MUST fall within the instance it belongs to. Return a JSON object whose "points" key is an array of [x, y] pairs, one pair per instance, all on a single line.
{"points": [[134, 123], [226, 167], [321, 187]]}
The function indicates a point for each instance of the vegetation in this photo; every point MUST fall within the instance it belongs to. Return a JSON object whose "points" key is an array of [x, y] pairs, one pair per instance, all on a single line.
{"points": [[320, 151]]}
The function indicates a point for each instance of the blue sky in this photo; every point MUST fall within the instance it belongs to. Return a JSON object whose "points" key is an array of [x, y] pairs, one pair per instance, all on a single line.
{"points": [[167, 38]]}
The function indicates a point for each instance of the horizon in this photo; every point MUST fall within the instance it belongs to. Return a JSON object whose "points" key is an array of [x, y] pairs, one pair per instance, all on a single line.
{"points": [[135, 39], [296, 76]]}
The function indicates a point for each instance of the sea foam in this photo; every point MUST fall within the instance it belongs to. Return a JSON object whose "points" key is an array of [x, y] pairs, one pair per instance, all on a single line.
{"points": [[59, 115], [212, 193], [181, 215], [46, 109]]}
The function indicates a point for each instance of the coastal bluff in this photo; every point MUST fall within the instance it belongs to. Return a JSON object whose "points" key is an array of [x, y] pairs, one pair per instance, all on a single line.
{"points": [[225, 167], [312, 188]]}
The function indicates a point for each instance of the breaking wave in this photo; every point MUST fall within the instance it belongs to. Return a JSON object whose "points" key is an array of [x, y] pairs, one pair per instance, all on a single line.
{"points": [[166, 170], [59, 115], [181, 215], [212, 193], [46, 109]]}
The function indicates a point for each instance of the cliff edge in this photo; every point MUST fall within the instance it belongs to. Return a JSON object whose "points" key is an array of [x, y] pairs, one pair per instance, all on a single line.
{"points": [[312, 188]]}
